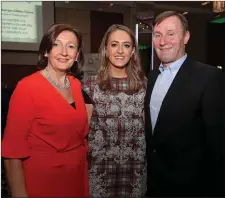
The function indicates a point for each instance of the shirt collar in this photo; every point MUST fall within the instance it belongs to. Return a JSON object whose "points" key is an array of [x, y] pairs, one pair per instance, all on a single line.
{"points": [[175, 66]]}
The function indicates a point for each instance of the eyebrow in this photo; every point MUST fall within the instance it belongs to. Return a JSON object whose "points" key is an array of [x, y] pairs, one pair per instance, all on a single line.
{"points": [[157, 32], [67, 41], [170, 30], [119, 42]]}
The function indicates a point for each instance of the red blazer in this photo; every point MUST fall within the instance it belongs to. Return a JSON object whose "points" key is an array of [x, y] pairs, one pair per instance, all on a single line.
{"points": [[46, 130]]}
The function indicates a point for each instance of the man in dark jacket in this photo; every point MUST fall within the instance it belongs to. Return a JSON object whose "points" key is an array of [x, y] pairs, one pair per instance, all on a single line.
{"points": [[183, 112]]}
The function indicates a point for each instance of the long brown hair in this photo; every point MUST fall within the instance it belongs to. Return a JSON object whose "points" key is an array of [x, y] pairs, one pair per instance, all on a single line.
{"points": [[48, 41], [135, 75]]}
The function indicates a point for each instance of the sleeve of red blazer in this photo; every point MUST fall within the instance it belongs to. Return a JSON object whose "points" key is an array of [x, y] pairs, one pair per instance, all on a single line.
{"points": [[19, 121]]}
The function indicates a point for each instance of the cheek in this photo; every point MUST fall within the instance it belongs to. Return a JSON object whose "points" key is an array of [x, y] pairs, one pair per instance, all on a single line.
{"points": [[53, 53], [110, 52], [173, 41], [51, 56], [155, 43], [129, 54], [73, 54]]}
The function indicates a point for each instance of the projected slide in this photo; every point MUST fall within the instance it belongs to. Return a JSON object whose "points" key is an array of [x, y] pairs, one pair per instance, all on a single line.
{"points": [[22, 22]]}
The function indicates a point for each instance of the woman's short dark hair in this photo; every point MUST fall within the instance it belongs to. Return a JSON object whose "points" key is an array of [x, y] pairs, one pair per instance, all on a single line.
{"points": [[161, 17], [48, 41]]}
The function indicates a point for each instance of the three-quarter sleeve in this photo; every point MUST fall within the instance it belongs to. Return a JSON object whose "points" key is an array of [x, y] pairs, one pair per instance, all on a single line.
{"points": [[86, 97], [19, 120]]}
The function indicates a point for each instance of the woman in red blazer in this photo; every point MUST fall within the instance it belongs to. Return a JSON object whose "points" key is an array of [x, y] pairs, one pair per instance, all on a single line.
{"points": [[44, 143]]}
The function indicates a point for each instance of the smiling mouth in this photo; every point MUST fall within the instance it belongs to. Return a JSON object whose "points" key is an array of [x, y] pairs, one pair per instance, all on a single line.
{"points": [[167, 49], [62, 60], [119, 58]]}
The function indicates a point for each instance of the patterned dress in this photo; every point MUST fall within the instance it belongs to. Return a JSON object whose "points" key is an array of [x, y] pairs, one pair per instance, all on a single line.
{"points": [[117, 161]]}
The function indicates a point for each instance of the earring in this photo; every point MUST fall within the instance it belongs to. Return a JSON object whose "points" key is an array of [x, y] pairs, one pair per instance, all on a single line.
{"points": [[76, 59]]}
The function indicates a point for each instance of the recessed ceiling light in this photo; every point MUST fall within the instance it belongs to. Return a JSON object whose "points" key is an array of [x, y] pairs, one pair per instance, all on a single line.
{"points": [[111, 4], [205, 3]]}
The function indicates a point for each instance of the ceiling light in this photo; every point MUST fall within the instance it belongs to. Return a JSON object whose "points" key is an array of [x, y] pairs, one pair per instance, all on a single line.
{"points": [[111, 4], [218, 6], [205, 3]]}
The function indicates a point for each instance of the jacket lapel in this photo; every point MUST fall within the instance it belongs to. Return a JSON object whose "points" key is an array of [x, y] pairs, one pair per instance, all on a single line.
{"points": [[171, 100]]}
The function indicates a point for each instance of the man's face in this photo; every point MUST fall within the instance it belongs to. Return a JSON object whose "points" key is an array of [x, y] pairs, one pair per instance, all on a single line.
{"points": [[169, 40]]}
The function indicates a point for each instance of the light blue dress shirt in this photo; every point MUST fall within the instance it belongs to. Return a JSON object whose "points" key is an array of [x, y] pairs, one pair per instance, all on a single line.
{"points": [[162, 85]]}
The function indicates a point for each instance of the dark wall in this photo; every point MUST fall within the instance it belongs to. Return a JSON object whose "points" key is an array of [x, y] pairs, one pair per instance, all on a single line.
{"points": [[216, 44], [11, 74], [100, 22], [196, 47]]}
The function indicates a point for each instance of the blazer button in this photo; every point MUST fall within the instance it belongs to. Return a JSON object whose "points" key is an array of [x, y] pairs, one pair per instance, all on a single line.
{"points": [[154, 150]]}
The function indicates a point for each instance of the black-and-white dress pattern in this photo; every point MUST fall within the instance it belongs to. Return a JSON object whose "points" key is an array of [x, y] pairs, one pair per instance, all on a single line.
{"points": [[117, 161]]}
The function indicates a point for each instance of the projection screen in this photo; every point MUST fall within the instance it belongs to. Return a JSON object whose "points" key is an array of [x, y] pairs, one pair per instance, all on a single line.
{"points": [[23, 24]]}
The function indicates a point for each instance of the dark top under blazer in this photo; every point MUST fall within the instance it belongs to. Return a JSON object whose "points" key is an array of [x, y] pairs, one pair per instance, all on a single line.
{"points": [[184, 154]]}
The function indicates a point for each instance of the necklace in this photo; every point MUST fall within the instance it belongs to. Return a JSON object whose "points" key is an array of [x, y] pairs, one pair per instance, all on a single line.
{"points": [[53, 82]]}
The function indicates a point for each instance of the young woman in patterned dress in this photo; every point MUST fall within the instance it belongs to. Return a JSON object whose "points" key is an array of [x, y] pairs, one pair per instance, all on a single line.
{"points": [[117, 164]]}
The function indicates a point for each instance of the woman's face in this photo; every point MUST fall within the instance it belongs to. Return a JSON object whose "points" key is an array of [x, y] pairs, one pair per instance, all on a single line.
{"points": [[64, 51], [119, 49]]}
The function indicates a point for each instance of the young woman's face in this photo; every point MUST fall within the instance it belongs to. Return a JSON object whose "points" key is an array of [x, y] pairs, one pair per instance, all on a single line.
{"points": [[119, 49]]}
